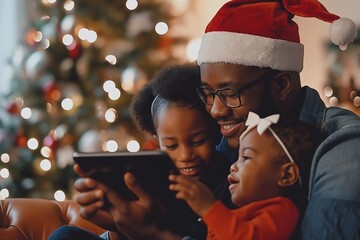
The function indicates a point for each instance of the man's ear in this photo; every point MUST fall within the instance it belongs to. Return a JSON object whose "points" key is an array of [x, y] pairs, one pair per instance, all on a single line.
{"points": [[283, 85], [289, 174]]}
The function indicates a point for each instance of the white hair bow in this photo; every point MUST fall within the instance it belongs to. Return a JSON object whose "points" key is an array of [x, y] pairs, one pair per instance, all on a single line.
{"points": [[262, 124]]}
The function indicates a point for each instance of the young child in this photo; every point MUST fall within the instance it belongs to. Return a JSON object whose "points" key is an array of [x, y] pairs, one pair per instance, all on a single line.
{"points": [[268, 182], [170, 109]]}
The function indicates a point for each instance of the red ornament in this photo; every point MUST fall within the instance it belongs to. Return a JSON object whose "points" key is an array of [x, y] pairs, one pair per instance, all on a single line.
{"points": [[20, 140], [13, 108], [51, 91], [74, 50], [51, 142]]}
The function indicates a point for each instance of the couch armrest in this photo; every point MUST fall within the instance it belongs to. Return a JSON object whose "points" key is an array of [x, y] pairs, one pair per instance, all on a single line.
{"points": [[36, 219]]}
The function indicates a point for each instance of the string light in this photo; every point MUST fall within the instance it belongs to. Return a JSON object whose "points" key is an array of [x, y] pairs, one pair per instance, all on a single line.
{"points": [[108, 85], [59, 196], [67, 104], [33, 143], [111, 59], [4, 193], [5, 158], [161, 28], [45, 165], [26, 113], [111, 146], [4, 173], [328, 91], [133, 146], [131, 4], [45, 151], [110, 115], [114, 94], [69, 5], [67, 39]]}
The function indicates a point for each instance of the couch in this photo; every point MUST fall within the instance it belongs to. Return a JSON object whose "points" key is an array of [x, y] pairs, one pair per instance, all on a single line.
{"points": [[36, 219]]}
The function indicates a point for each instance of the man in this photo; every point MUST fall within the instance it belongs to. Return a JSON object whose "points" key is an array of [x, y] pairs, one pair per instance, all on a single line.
{"points": [[250, 60], [251, 51]]}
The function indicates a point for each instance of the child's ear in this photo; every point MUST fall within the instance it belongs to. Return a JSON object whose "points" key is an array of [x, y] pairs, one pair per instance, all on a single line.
{"points": [[289, 174]]}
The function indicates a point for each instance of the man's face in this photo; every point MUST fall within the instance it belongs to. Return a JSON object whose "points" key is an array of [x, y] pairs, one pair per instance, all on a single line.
{"points": [[256, 98]]}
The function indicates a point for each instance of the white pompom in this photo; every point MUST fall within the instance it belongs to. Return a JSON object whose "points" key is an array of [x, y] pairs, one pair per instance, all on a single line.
{"points": [[342, 32]]}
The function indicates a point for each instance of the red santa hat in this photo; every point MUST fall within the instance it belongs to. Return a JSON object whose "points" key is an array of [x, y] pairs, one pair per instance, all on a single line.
{"points": [[262, 33]]}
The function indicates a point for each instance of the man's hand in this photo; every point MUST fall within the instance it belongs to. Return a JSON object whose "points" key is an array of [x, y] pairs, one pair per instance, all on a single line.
{"points": [[91, 200], [137, 219]]}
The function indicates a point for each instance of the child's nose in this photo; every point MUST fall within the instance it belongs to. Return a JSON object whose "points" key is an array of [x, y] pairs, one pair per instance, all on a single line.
{"points": [[233, 167], [185, 154]]}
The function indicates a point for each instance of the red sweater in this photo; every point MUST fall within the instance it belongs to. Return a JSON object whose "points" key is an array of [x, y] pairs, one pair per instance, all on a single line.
{"points": [[274, 218]]}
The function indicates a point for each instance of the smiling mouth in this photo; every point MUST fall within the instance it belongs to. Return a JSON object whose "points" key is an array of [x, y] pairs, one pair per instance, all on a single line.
{"points": [[190, 171]]}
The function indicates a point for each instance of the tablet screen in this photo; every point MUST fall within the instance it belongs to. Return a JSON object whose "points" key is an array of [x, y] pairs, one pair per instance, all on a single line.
{"points": [[151, 169]]}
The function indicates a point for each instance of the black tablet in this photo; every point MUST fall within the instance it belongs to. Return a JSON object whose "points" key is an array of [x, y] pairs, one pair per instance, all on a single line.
{"points": [[151, 169]]}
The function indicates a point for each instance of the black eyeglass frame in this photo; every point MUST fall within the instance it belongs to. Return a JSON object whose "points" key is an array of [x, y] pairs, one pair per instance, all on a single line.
{"points": [[244, 87]]}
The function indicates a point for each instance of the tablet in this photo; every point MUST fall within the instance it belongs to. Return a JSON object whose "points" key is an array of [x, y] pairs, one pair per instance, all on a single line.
{"points": [[151, 169]]}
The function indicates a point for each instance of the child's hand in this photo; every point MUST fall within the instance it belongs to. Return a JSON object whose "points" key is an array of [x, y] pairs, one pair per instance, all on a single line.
{"points": [[196, 194]]}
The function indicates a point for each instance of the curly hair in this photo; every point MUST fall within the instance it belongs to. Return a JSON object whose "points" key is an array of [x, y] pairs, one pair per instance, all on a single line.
{"points": [[172, 86], [301, 140]]}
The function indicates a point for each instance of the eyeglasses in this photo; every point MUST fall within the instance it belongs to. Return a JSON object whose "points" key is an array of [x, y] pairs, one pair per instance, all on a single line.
{"points": [[229, 96]]}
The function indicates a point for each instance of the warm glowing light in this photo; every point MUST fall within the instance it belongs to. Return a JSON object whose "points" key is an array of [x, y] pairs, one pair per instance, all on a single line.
{"points": [[161, 28], [111, 146], [83, 33], [357, 101], [131, 4], [334, 101], [114, 94], [45, 164], [4, 193], [111, 59], [133, 146], [328, 91], [4, 173], [26, 113], [353, 95], [91, 38], [32, 143], [108, 85], [59, 196], [87, 35], [5, 158], [67, 39], [38, 36], [110, 115], [45, 151], [67, 104], [45, 44], [128, 78], [69, 5], [192, 49]]}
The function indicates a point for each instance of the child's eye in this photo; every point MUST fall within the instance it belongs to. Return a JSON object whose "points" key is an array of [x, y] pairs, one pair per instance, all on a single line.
{"points": [[199, 142], [171, 147], [244, 158]]}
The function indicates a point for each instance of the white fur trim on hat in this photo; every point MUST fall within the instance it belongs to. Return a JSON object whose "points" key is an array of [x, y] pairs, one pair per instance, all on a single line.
{"points": [[251, 50]]}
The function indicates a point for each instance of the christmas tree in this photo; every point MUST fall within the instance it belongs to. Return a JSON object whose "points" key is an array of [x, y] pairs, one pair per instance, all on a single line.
{"points": [[72, 80]]}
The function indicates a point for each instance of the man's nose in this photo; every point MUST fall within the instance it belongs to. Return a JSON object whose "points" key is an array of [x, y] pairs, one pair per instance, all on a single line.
{"points": [[219, 109]]}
